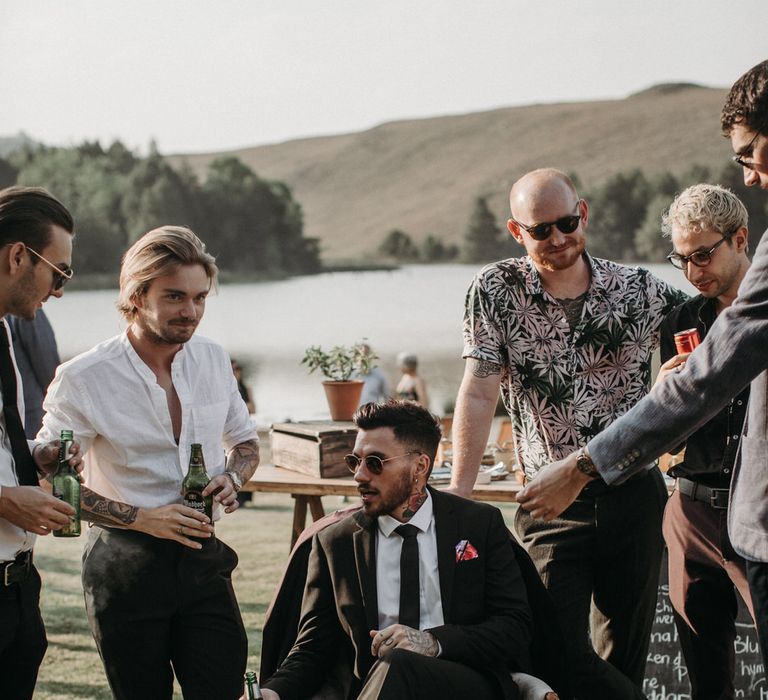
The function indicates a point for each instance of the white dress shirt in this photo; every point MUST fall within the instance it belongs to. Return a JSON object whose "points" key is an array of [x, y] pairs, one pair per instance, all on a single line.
{"points": [[119, 413], [13, 539], [388, 546]]}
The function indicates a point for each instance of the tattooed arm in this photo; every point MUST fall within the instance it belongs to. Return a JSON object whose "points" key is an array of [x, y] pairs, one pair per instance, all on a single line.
{"points": [[171, 522], [243, 459], [475, 406], [241, 464], [99, 510]]}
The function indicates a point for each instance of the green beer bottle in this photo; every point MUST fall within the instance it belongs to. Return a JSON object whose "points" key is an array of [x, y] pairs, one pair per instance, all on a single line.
{"points": [[66, 486], [194, 483], [252, 690]]}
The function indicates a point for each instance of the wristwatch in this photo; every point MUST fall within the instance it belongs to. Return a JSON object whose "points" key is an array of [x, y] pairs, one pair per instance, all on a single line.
{"points": [[237, 482], [585, 464]]}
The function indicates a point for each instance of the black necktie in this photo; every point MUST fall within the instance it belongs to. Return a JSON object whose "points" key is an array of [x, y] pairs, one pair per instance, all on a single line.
{"points": [[26, 471], [409, 576]]}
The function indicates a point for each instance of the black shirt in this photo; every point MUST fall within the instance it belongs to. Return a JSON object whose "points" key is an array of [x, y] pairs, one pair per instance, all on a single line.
{"points": [[711, 451]]}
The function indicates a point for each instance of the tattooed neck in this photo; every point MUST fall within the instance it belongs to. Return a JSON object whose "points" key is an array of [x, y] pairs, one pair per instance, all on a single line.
{"points": [[414, 502]]}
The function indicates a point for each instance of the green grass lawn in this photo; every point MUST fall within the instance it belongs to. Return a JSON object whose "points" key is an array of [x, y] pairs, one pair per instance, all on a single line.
{"points": [[71, 670]]}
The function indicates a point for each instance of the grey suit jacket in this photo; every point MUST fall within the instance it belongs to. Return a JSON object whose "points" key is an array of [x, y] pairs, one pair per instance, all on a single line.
{"points": [[734, 353]]}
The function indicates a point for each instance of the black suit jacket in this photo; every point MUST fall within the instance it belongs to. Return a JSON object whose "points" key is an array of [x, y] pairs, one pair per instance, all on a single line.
{"points": [[487, 618]]}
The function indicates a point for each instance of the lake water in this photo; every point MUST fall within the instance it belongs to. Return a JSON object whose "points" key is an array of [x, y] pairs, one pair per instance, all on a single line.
{"points": [[267, 326]]}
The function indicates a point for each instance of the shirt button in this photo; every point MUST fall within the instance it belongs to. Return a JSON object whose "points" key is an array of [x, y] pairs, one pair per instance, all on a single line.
{"points": [[738, 403], [726, 471], [621, 467], [735, 437]]}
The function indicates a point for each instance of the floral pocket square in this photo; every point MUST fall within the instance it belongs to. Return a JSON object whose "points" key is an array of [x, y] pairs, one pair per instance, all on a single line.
{"points": [[465, 551]]}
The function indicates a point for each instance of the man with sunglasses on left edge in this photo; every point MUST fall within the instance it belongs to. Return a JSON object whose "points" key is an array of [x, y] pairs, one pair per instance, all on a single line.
{"points": [[568, 339]]}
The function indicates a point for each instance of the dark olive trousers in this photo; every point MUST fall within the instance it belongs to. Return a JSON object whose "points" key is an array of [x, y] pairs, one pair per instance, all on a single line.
{"points": [[600, 563], [22, 638], [157, 608]]}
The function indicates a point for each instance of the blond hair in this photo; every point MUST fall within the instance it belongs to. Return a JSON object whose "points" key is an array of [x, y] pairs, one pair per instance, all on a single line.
{"points": [[159, 252], [705, 208]]}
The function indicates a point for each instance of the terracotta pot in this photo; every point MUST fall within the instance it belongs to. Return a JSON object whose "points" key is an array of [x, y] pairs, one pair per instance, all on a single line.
{"points": [[343, 397]]}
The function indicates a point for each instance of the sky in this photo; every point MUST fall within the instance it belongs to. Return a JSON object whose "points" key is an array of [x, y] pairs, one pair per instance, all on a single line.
{"points": [[199, 75]]}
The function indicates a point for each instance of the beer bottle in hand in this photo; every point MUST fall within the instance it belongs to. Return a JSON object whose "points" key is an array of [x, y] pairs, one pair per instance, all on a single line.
{"points": [[194, 483], [252, 690], [66, 486]]}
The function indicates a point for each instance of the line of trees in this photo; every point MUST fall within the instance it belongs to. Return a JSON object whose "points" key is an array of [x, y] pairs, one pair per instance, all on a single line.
{"points": [[250, 224], [624, 220], [626, 210]]}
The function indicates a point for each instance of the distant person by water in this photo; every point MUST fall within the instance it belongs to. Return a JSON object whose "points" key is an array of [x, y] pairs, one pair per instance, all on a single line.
{"points": [[376, 386], [37, 357], [411, 386], [245, 392]]}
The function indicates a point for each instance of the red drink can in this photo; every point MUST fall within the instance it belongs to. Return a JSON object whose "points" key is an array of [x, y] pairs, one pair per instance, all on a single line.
{"points": [[686, 341]]}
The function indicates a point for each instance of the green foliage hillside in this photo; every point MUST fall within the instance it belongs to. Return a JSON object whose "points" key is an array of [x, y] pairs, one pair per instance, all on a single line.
{"points": [[252, 225]]}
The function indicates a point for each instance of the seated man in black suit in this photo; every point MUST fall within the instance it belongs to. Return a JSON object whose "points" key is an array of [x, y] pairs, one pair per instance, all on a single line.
{"points": [[454, 624]]}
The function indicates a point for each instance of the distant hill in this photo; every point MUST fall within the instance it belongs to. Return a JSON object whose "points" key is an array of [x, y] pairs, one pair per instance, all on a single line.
{"points": [[422, 175]]}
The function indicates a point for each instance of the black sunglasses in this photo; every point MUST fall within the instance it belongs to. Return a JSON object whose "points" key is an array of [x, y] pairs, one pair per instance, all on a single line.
{"points": [[700, 258], [565, 224], [373, 463]]}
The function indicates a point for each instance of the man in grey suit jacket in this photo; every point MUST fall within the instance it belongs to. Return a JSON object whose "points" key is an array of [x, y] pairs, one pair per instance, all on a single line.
{"points": [[734, 353], [471, 624]]}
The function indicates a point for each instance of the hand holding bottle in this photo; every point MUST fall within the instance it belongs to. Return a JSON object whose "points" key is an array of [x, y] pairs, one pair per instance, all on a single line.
{"points": [[46, 456], [175, 522]]}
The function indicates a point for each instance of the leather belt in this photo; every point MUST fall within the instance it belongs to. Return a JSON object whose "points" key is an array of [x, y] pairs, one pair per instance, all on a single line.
{"points": [[717, 498], [17, 570]]}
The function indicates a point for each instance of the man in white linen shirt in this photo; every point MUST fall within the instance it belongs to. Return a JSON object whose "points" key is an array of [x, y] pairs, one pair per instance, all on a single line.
{"points": [[35, 258], [157, 582]]}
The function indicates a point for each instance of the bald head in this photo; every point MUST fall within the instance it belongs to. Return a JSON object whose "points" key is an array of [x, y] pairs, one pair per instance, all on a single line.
{"points": [[540, 188], [548, 219]]}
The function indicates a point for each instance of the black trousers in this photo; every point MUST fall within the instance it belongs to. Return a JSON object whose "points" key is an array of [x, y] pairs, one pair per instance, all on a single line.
{"points": [[600, 562], [22, 638], [704, 574], [157, 607], [757, 575], [405, 675]]}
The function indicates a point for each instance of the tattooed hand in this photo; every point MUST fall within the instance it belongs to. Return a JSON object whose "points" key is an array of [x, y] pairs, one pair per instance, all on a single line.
{"points": [[402, 637]]}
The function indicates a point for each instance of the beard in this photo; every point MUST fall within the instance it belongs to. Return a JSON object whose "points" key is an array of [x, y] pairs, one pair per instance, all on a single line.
{"points": [[560, 258], [173, 333], [398, 495], [24, 301]]}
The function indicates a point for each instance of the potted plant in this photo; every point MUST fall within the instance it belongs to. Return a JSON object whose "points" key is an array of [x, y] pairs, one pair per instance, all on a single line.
{"points": [[337, 366]]}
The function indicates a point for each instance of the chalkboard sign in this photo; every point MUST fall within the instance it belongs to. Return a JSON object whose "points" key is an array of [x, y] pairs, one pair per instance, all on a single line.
{"points": [[666, 677]]}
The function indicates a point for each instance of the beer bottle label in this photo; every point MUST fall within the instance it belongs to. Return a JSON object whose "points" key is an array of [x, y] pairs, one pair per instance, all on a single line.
{"points": [[195, 500]]}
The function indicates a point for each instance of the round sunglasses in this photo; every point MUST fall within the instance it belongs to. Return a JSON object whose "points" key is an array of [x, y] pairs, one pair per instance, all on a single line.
{"points": [[565, 224], [373, 463]]}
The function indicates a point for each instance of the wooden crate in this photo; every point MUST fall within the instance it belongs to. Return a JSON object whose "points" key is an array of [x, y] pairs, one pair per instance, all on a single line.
{"points": [[315, 448]]}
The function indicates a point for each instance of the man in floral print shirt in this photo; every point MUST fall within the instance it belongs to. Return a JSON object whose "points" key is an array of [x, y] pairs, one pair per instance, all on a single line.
{"points": [[568, 339]]}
